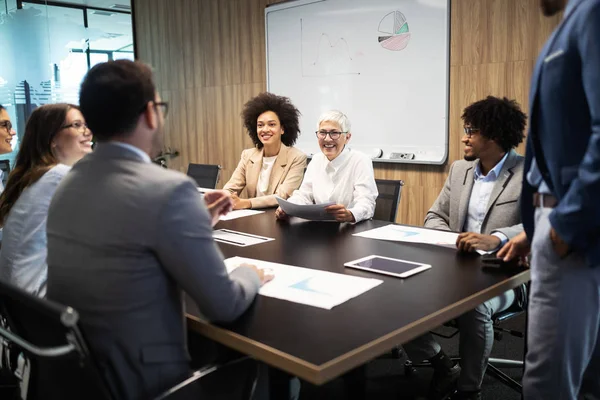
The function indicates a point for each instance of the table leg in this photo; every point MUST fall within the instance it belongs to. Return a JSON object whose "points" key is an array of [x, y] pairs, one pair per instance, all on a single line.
{"points": [[355, 383], [279, 384]]}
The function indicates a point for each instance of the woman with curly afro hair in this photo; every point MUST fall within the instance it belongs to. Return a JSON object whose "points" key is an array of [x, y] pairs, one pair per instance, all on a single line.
{"points": [[272, 168]]}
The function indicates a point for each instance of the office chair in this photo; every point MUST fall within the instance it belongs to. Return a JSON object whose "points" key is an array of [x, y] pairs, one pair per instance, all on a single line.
{"points": [[5, 168], [61, 365], [386, 205], [205, 175], [49, 337], [493, 363]]}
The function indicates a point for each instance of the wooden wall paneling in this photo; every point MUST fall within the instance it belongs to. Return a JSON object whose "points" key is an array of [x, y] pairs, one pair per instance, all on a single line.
{"points": [[209, 58]]}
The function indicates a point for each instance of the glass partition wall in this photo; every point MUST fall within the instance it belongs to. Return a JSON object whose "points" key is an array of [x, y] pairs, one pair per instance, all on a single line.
{"points": [[46, 47]]}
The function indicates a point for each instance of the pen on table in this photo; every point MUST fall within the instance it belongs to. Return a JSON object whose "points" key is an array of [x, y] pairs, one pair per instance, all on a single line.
{"points": [[244, 234], [229, 241]]}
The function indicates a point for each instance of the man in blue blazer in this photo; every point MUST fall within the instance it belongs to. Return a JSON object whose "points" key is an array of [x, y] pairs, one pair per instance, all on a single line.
{"points": [[561, 200]]}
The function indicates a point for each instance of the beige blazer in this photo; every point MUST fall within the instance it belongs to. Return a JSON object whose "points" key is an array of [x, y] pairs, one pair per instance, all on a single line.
{"points": [[286, 175]]}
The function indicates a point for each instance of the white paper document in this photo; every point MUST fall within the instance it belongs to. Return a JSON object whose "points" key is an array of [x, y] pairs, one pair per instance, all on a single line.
{"points": [[413, 234], [308, 286], [241, 239], [313, 212], [239, 214]]}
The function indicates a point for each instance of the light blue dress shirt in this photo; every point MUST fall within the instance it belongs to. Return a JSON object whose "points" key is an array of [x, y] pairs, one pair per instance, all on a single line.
{"points": [[535, 179], [480, 197], [24, 246]]}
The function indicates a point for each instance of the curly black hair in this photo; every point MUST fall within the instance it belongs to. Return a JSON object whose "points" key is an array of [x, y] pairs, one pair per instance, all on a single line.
{"points": [[287, 113], [500, 120]]}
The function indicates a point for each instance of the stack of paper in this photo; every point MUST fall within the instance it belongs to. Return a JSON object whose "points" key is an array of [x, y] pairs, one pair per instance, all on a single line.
{"points": [[239, 214], [241, 239], [313, 212], [413, 234], [308, 286]]}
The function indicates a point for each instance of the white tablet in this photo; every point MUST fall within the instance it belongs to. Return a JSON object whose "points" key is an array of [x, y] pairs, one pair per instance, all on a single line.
{"points": [[388, 266]]}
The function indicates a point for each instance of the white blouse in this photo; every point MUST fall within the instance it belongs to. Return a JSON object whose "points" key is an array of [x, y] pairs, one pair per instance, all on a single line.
{"points": [[265, 174], [348, 180]]}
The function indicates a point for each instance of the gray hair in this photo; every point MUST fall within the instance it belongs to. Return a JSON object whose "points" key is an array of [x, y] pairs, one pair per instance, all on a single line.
{"points": [[335, 116]]}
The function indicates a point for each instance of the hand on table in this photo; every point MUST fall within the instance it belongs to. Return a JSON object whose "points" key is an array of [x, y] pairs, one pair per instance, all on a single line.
{"points": [[470, 241], [265, 274], [340, 213], [281, 215], [240, 204], [517, 247]]}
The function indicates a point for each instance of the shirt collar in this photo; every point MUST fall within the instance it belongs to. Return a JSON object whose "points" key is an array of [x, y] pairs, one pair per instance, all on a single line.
{"points": [[143, 155], [337, 162], [495, 171]]}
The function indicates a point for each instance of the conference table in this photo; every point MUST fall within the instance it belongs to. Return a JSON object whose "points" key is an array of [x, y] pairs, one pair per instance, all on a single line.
{"points": [[319, 345]]}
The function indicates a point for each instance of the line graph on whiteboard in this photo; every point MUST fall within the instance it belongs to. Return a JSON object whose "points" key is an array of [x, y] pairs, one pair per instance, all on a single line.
{"points": [[326, 57]]}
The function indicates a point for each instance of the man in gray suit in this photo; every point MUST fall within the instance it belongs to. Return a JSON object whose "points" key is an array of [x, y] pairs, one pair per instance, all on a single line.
{"points": [[125, 237], [480, 198]]}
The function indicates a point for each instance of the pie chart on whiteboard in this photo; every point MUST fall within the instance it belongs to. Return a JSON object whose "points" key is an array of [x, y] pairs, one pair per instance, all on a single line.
{"points": [[393, 31]]}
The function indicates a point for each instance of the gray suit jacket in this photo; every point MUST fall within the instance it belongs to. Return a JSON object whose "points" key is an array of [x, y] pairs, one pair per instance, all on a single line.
{"points": [[124, 238], [449, 212]]}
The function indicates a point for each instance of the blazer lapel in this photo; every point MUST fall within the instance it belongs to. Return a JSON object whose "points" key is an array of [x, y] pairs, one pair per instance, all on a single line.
{"points": [[465, 196], [278, 168], [253, 172], [505, 176]]}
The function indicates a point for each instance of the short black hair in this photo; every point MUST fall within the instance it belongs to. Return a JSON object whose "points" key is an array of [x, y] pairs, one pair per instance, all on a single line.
{"points": [[2, 107], [500, 120], [113, 95], [287, 113]]}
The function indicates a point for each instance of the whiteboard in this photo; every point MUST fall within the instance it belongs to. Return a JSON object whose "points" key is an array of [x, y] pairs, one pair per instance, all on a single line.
{"points": [[384, 63]]}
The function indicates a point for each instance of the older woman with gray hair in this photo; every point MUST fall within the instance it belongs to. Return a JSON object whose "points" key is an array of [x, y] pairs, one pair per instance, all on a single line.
{"points": [[338, 174]]}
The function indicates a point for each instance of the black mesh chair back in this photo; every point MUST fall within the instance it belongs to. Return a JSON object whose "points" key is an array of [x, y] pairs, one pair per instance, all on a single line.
{"points": [[47, 333], [386, 206], [205, 175]]}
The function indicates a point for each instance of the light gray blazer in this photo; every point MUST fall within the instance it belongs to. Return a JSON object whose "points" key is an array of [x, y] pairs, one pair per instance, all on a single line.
{"points": [[125, 238], [449, 212]]}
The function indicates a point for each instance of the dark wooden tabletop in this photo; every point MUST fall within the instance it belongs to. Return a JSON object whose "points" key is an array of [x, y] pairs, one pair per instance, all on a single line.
{"points": [[317, 344]]}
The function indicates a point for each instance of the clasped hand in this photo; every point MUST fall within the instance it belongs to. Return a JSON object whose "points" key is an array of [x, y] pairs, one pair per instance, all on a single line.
{"points": [[218, 202]]}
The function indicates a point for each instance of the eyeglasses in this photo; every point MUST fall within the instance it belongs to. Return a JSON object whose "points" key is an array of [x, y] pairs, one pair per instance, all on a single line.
{"points": [[78, 125], [7, 124], [470, 131], [163, 105], [333, 135]]}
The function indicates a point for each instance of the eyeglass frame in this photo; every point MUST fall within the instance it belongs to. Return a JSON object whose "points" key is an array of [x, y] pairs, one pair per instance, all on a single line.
{"points": [[72, 125], [469, 131], [164, 104], [7, 124], [338, 134]]}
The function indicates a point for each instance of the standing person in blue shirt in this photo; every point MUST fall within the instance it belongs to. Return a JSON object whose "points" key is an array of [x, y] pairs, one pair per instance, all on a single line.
{"points": [[481, 199], [561, 200]]}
